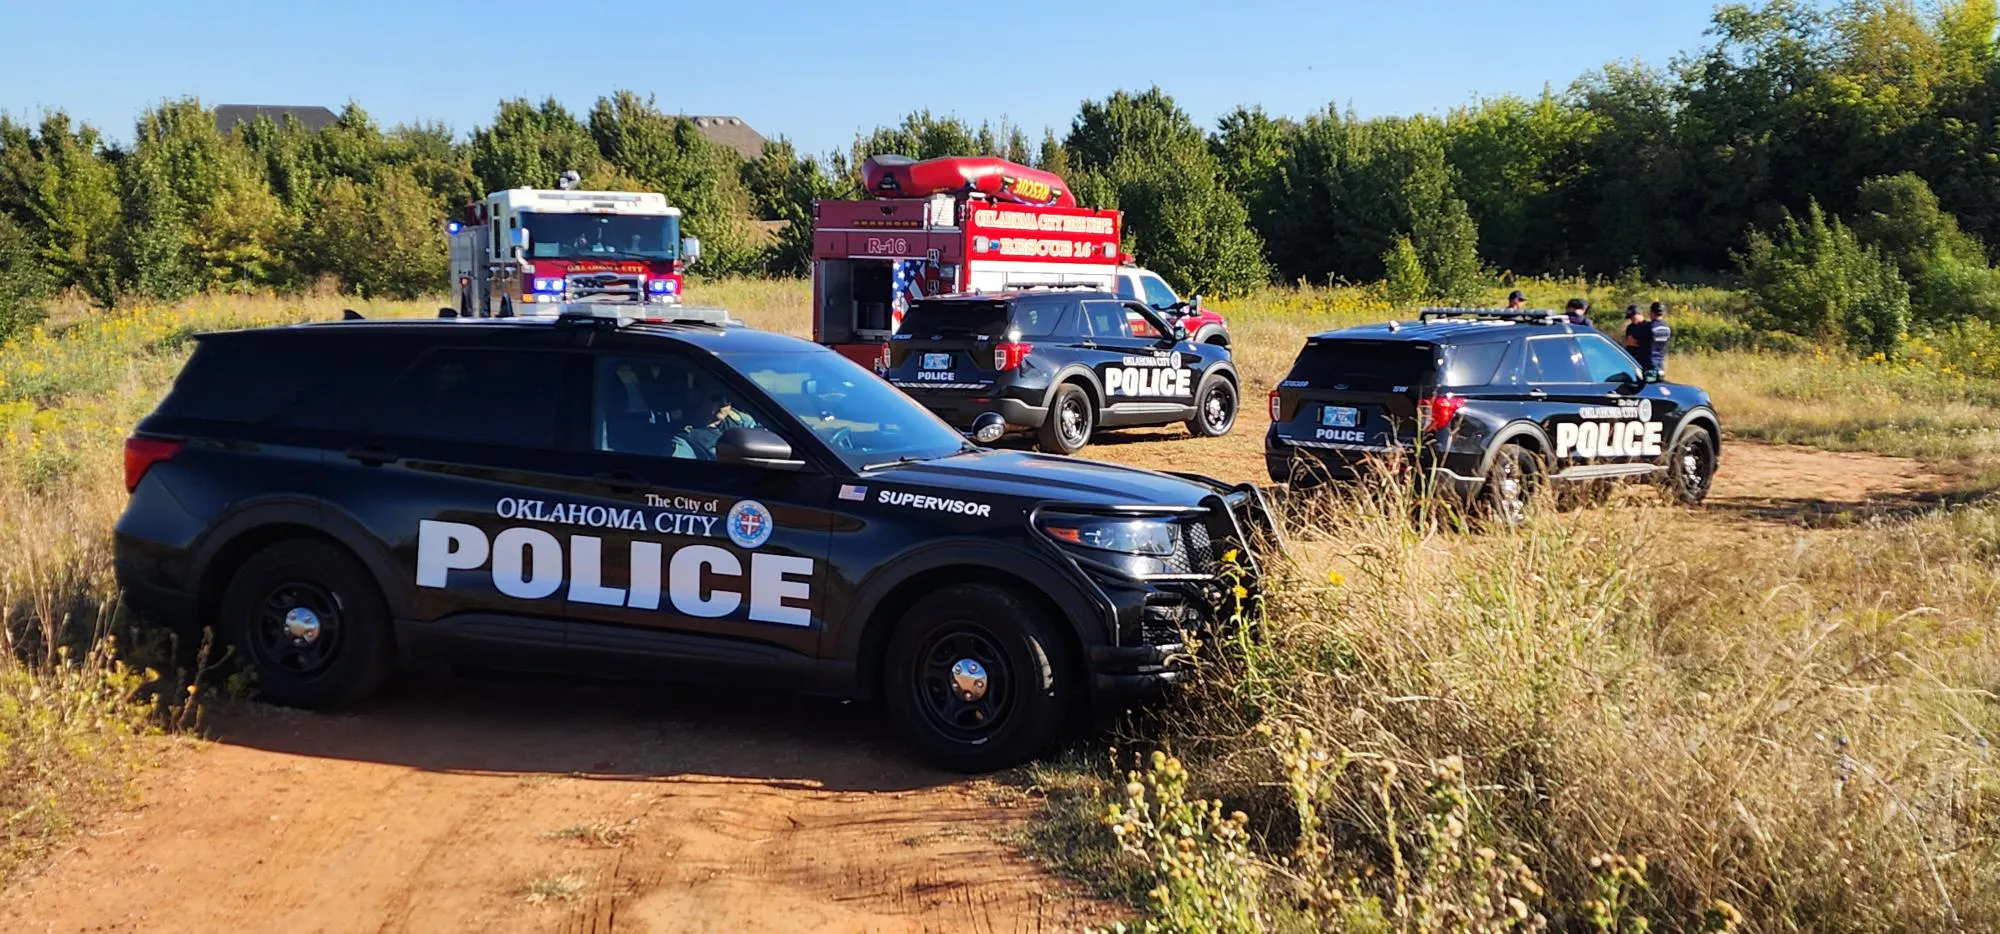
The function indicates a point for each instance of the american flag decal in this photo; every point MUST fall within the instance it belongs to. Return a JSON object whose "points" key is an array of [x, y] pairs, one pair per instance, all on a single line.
{"points": [[849, 491]]}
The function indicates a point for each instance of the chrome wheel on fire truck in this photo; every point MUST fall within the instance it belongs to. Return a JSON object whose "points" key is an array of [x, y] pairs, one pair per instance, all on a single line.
{"points": [[1070, 421]]}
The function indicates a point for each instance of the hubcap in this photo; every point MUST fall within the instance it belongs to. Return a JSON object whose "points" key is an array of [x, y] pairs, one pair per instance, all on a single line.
{"points": [[302, 625], [1217, 410], [962, 685], [297, 630], [1072, 421], [968, 677]]}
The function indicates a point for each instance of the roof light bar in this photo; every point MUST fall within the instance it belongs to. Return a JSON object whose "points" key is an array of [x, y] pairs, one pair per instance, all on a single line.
{"points": [[624, 313]]}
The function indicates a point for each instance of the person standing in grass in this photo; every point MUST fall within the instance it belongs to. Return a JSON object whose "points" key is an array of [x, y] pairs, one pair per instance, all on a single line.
{"points": [[1656, 350], [1638, 336], [1516, 301], [1576, 310]]}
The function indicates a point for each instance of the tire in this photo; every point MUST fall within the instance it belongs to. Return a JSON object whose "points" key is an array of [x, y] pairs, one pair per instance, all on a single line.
{"points": [[339, 653], [1021, 662], [1511, 481], [1691, 467], [1070, 421], [1213, 421]]}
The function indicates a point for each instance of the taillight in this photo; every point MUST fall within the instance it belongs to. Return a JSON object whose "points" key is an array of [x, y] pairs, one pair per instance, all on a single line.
{"points": [[140, 456], [1007, 355], [1274, 405], [1435, 412]]}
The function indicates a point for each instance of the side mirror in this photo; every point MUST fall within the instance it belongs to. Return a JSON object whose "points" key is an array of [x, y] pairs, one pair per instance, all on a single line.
{"points": [[1180, 332], [1194, 302], [988, 427], [755, 446], [690, 248]]}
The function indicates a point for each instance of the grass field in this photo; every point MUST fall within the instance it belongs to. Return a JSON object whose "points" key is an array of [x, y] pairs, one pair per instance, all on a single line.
{"points": [[1793, 728]]}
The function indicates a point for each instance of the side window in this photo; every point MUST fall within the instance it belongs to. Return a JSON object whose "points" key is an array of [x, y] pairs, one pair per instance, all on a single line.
{"points": [[510, 398], [1605, 362], [1157, 293], [1135, 318], [664, 405], [1555, 360], [1473, 364], [1044, 319], [1126, 289], [1107, 319]]}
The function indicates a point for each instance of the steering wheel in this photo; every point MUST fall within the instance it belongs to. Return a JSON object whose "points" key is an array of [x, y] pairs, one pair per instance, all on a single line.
{"points": [[842, 438]]}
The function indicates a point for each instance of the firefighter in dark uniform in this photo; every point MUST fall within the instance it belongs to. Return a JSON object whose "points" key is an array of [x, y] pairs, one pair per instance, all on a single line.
{"points": [[1576, 310]]}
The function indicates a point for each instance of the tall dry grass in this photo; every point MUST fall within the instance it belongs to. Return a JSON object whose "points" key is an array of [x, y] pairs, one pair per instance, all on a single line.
{"points": [[1573, 726]]}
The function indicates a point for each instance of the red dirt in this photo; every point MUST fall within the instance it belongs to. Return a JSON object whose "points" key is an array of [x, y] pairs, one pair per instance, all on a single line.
{"points": [[439, 806]]}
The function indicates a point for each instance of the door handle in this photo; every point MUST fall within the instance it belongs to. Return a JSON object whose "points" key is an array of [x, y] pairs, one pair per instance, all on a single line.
{"points": [[618, 481], [373, 455], [1088, 345], [1537, 394]]}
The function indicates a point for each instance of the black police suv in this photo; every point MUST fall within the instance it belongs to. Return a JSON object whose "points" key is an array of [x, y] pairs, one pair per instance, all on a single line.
{"points": [[675, 499], [1061, 361], [1487, 404]]}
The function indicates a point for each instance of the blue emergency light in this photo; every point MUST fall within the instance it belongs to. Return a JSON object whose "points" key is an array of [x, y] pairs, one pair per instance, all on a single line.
{"points": [[660, 285], [452, 227]]}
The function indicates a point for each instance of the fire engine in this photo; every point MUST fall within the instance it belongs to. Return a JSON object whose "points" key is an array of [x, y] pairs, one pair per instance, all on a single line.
{"points": [[954, 224], [531, 251]]}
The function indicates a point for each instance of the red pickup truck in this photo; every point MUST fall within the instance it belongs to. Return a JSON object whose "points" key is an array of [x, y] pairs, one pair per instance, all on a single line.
{"points": [[1204, 325]]}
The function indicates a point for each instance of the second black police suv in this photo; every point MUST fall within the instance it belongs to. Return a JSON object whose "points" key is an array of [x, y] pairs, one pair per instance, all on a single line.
{"points": [[679, 499], [1488, 404], [1063, 362]]}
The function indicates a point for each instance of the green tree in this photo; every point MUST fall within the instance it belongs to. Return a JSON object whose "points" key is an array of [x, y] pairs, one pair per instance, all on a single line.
{"points": [[1405, 283], [380, 238], [783, 186], [1141, 154], [71, 207], [1819, 280], [532, 146], [22, 282]]}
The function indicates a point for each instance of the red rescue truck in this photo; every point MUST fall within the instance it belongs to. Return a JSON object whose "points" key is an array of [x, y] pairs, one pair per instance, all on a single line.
{"points": [[956, 224]]}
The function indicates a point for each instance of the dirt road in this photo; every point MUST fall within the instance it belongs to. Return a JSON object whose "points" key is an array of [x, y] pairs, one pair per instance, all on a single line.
{"points": [[500, 805]]}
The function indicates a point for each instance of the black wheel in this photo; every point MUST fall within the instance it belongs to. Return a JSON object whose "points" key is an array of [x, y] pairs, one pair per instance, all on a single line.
{"points": [[1691, 467], [1510, 485], [1215, 408], [309, 620], [1070, 421], [977, 678]]}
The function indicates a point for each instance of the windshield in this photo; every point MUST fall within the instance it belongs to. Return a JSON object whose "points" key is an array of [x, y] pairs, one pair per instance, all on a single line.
{"points": [[863, 419], [602, 236]]}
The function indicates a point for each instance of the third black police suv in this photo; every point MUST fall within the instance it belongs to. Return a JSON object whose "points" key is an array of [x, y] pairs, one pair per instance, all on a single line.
{"points": [[1489, 404], [1061, 361], [675, 499]]}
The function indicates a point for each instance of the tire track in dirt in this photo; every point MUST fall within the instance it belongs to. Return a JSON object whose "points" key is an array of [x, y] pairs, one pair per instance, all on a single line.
{"points": [[492, 804]]}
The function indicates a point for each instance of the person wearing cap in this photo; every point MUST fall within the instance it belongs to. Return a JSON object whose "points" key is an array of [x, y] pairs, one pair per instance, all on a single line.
{"points": [[1516, 301], [1638, 335], [1656, 350], [1576, 309]]}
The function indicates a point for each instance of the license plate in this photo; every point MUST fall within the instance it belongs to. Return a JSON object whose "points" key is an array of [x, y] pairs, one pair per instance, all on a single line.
{"points": [[1338, 416], [937, 361]]}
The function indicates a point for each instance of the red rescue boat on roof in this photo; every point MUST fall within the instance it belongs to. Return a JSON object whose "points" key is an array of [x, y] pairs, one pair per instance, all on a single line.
{"points": [[892, 176]]}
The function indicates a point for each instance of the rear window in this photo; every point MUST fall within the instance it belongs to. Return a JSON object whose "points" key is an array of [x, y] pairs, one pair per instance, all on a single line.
{"points": [[955, 319], [498, 397], [1473, 364], [291, 380], [1366, 365]]}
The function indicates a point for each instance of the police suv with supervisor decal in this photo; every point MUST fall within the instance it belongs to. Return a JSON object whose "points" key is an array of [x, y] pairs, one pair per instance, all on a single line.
{"points": [[1488, 404], [668, 498], [1061, 361]]}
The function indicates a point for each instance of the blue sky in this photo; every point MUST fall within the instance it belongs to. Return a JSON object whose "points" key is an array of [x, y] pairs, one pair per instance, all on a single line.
{"points": [[816, 71]]}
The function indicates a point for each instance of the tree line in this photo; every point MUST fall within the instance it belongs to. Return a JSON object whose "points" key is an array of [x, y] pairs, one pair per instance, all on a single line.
{"points": [[1842, 163]]}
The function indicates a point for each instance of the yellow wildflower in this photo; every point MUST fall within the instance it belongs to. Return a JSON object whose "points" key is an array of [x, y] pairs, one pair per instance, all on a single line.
{"points": [[1336, 578]]}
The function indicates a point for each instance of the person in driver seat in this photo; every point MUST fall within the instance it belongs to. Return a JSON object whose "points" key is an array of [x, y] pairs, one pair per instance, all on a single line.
{"points": [[697, 438]]}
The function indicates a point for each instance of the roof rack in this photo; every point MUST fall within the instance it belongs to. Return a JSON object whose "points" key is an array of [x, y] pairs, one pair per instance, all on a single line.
{"points": [[1488, 314], [621, 314]]}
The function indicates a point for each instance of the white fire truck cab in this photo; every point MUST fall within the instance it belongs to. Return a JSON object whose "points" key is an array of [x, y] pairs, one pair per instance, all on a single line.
{"points": [[531, 251]]}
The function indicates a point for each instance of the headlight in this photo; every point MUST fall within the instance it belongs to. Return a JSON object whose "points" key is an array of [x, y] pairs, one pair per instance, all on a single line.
{"points": [[1153, 537]]}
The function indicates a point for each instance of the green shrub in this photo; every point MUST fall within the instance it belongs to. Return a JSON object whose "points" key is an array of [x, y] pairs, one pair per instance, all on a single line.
{"points": [[22, 283], [1406, 284], [1819, 281]]}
